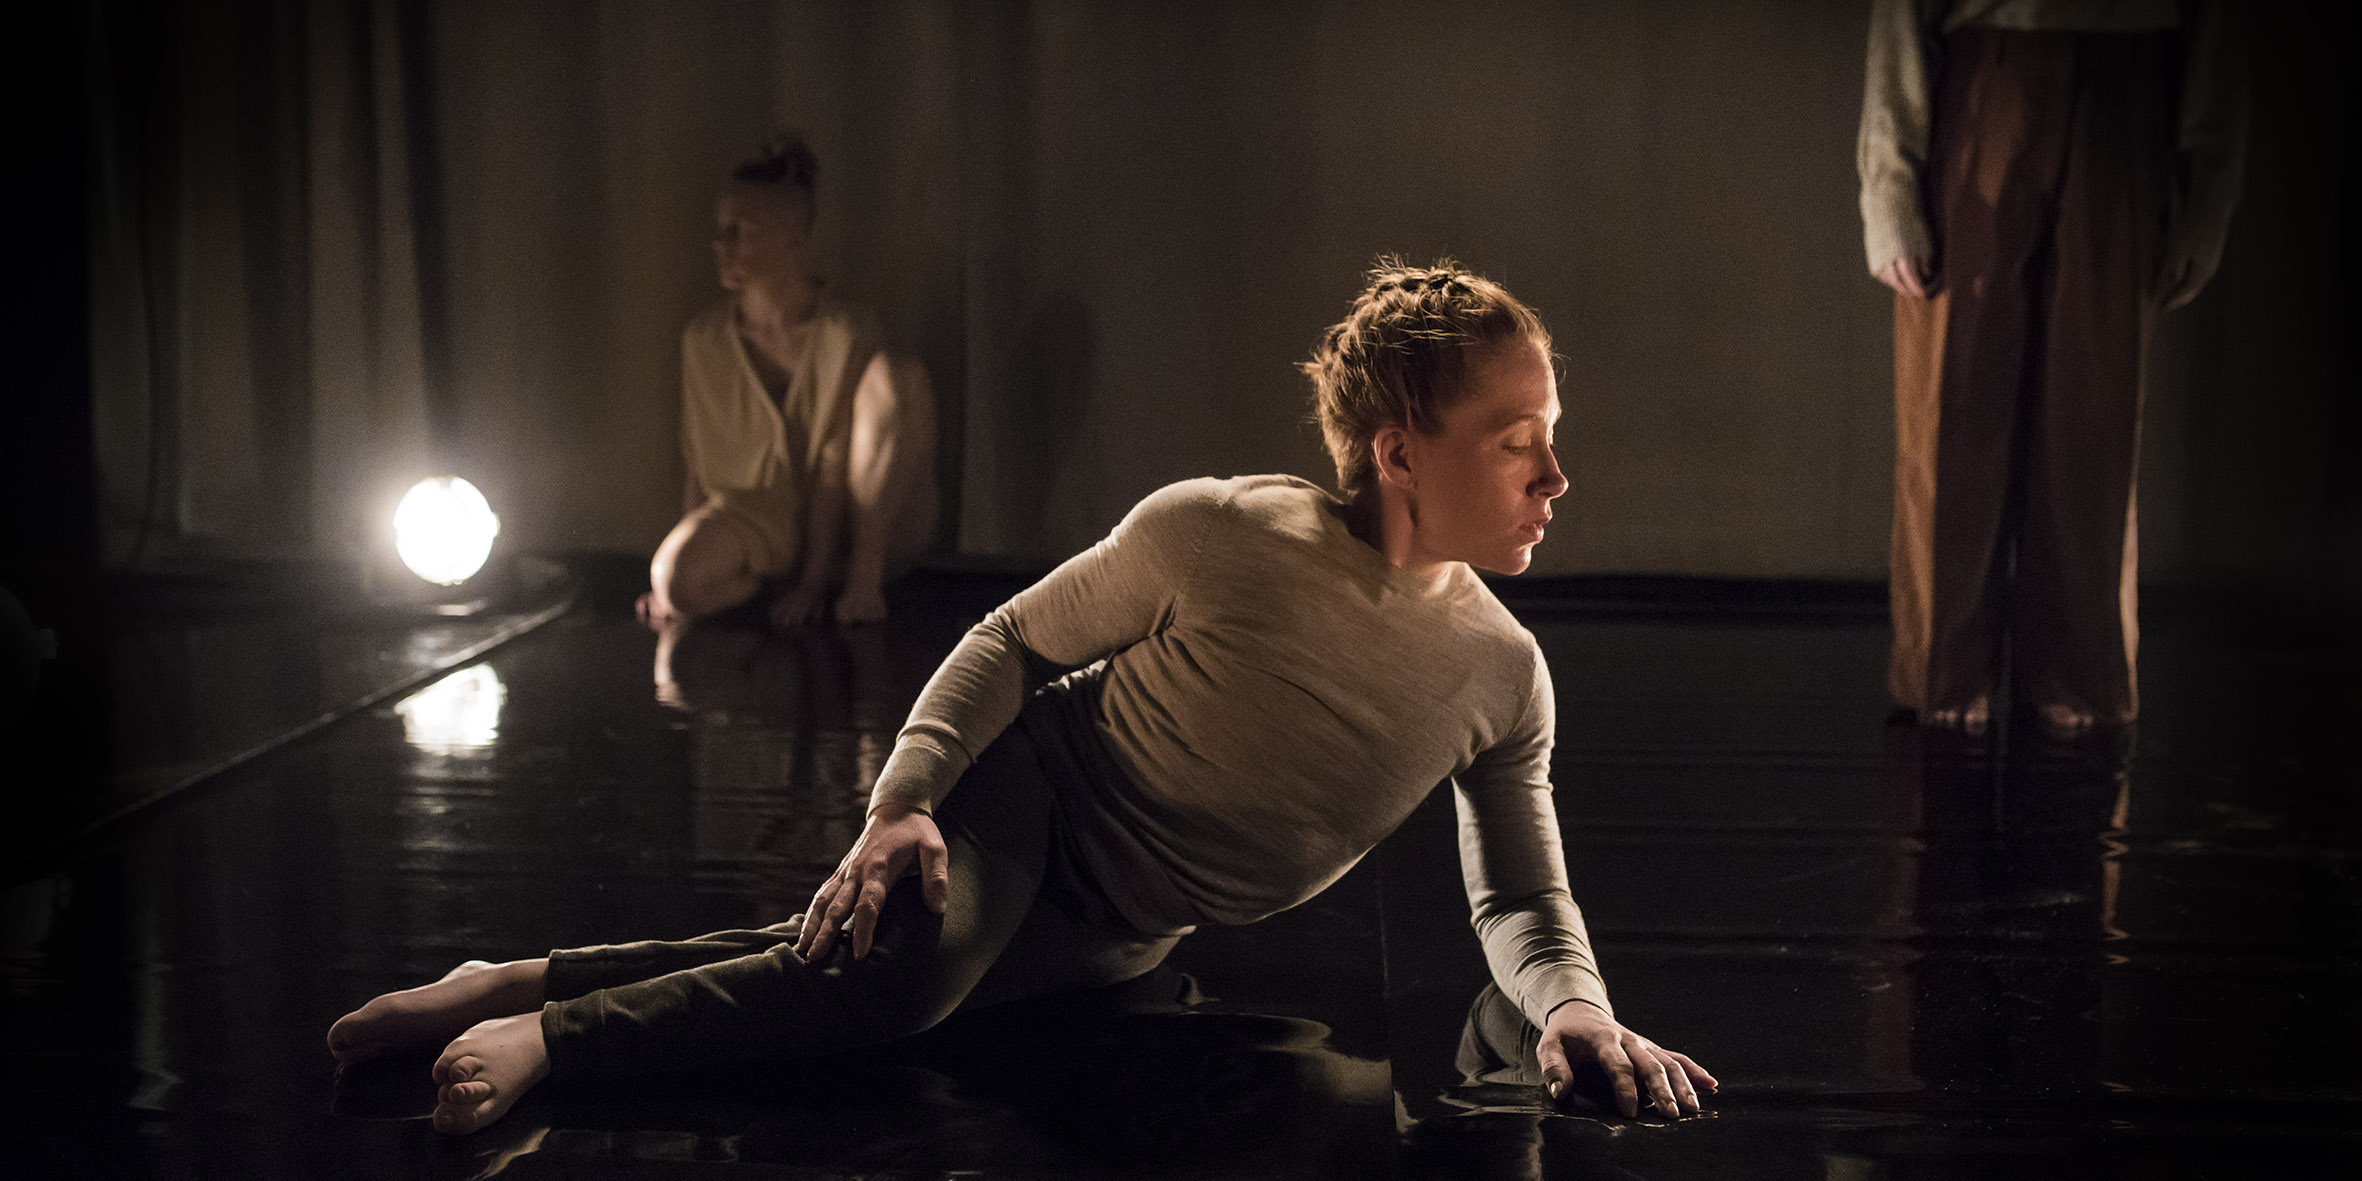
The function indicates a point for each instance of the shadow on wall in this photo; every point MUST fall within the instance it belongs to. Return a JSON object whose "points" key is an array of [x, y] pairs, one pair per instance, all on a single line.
{"points": [[1049, 384]]}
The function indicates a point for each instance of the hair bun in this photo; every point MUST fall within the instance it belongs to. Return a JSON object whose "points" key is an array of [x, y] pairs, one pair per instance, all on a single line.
{"points": [[783, 158]]}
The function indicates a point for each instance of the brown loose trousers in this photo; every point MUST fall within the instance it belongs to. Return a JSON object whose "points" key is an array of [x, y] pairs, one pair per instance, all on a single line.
{"points": [[2018, 381]]}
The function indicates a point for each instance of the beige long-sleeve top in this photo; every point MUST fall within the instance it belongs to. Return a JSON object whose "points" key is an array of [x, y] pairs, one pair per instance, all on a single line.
{"points": [[1898, 97], [1276, 698]]}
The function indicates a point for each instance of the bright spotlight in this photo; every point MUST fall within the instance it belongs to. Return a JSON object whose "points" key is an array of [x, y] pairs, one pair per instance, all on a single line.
{"points": [[444, 530], [455, 715]]}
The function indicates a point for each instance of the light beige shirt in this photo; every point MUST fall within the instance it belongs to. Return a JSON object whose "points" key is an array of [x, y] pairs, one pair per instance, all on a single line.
{"points": [[1277, 698], [757, 456], [1898, 96]]}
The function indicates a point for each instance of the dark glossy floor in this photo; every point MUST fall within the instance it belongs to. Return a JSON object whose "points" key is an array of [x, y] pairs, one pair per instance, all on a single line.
{"points": [[163, 682], [1905, 958]]}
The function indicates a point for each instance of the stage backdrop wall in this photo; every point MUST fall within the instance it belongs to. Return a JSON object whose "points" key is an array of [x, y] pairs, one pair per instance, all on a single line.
{"points": [[339, 244]]}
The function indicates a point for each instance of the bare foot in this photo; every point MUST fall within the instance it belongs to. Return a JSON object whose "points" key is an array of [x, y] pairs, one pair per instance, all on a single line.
{"points": [[486, 1070], [799, 606], [1970, 719], [653, 611], [471, 992], [858, 606], [2063, 722]]}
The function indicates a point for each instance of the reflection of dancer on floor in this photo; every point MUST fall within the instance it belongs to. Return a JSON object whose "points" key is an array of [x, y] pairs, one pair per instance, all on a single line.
{"points": [[810, 452], [1269, 680]]}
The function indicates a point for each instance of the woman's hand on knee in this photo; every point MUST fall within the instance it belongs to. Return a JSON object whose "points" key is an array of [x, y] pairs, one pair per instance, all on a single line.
{"points": [[896, 842]]}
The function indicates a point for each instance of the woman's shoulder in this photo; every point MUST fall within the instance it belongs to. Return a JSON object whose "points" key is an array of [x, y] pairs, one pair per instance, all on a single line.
{"points": [[1483, 612], [1244, 501], [846, 318], [709, 322], [709, 339]]}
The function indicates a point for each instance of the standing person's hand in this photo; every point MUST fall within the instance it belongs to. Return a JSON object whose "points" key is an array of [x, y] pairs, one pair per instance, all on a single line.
{"points": [[2181, 275], [1903, 275], [1580, 1032], [895, 842]]}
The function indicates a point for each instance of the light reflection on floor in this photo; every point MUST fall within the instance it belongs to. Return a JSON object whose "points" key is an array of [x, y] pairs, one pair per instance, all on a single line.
{"points": [[455, 715]]}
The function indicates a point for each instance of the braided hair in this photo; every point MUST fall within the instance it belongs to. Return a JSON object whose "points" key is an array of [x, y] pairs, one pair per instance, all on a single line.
{"points": [[1397, 358]]}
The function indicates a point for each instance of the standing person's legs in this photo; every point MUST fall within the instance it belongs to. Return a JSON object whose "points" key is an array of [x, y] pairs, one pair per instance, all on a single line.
{"points": [[1961, 364], [2078, 552]]}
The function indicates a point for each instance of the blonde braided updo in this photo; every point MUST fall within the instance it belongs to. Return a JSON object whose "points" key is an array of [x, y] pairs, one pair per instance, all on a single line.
{"points": [[1398, 357]]}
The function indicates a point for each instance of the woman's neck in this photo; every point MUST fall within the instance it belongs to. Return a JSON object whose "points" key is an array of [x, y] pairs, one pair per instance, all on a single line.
{"points": [[1383, 518], [771, 307]]}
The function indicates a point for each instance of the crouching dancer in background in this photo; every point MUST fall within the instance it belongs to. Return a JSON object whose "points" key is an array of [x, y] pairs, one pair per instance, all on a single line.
{"points": [[810, 452], [1270, 679]]}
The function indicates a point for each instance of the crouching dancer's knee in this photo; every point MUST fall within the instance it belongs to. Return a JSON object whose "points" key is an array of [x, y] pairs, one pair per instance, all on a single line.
{"points": [[907, 983]]}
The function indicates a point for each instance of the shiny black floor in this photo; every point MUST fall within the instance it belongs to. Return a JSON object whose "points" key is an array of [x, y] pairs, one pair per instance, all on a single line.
{"points": [[1906, 958], [159, 683]]}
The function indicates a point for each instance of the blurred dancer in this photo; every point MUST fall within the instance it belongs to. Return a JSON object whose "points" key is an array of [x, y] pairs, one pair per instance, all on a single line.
{"points": [[810, 452]]}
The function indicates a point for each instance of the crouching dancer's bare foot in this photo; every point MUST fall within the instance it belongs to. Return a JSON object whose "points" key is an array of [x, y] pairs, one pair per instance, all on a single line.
{"points": [[483, 1073], [472, 992]]}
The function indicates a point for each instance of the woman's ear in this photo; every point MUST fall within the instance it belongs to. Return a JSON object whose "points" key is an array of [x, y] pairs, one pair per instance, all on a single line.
{"points": [[1390, 455]]}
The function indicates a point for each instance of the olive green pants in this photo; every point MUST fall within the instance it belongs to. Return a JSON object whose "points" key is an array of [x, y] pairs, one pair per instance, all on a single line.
{"points": [[637, 1008]]}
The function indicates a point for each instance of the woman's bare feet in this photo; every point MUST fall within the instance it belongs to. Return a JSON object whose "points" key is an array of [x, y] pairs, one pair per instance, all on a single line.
{"points": [[860, 604], [486, 1070], [654, 611], [1970, 719], [2065, 722], [470, 993]]}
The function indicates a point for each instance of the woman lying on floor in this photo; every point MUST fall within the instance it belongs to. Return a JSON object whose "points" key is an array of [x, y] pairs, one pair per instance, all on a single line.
{"points": [[1269, 680]]}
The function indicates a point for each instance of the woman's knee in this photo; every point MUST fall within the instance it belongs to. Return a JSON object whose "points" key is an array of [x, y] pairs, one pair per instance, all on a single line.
{"points": [[697, 593], [894, 407], [701, 570], [910, 980], [877, 401]]}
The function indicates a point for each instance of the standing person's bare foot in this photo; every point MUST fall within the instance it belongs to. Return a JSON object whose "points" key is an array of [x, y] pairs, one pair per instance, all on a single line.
{"points": [[469, 993], [486, 1070], [860, 605], [2066, 722], [863, 597], [1971, 719]]}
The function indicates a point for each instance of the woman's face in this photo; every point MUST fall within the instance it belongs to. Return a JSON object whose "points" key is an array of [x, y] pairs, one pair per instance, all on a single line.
{"points": [[1484, 482], [758, 240]]}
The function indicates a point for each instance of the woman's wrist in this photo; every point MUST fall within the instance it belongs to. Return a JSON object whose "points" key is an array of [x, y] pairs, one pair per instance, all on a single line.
{"points": [[1590, 1011]]}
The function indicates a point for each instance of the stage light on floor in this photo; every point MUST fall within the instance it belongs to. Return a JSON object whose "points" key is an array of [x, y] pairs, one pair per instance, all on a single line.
{"points": [[444, 529]]}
